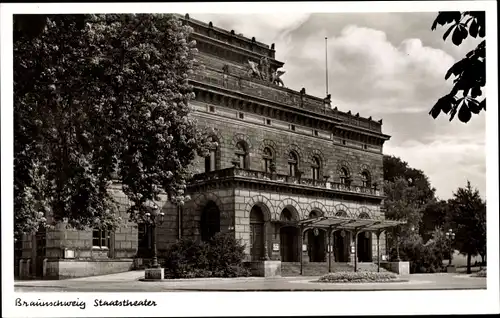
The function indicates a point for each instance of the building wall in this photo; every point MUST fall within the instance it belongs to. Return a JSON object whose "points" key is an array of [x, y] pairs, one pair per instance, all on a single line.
{"points": [[281, 141]]}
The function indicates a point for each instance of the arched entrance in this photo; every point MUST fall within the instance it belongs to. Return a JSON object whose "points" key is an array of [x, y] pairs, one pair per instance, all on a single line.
{"points": [[316, 245], [365, 247], [341, 251], [256, 233], [289, 242], [289, 238], [210, 221]]}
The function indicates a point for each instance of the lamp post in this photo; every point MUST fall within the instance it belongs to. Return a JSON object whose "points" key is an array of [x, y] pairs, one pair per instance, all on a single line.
{"points": [[397, 244], [450, 236], [154, 217]]}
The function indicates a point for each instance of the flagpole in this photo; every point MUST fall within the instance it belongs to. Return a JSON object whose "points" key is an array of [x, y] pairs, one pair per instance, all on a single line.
{"points": [[326, 64]]}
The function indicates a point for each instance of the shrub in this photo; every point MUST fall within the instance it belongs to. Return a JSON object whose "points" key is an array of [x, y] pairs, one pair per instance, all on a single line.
{"points": [[358, 277], [423, 258], [222, 256], [186, 259]]}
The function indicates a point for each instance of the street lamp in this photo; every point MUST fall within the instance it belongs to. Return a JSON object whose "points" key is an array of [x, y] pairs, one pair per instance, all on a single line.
{"points": [[154, 217], [450, 236]]}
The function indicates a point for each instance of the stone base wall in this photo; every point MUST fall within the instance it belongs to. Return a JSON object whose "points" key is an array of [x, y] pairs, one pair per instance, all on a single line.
{"points": [[401, 268], [265, 268], [63, 269]]}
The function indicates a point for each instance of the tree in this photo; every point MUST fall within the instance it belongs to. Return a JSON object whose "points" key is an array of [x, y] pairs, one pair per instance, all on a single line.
{"points": [[90, 99], [481, 219], [435, 214], [56, 162], [395, 168], [469, 72], [469, 218], [401, 204]]}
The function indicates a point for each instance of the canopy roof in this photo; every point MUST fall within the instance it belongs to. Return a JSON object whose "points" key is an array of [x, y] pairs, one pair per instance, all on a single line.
{"points": [[350, 223]]}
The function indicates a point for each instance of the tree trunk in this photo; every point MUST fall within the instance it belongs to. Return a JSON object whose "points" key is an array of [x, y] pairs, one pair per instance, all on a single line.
{"points": [[469, 257]]}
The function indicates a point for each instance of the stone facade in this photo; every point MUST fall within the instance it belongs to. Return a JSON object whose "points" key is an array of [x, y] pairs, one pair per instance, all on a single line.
{"points": [[324, 161]]}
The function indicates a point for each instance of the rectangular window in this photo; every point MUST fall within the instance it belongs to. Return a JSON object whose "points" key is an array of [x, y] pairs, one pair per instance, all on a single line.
{"points": [[241, 159], [268, 121], [101, 238], [241, 115], [315, 173], [211, 109], [343, 141], [365, 147], [292, 127], [315, 133], [210, 162]]}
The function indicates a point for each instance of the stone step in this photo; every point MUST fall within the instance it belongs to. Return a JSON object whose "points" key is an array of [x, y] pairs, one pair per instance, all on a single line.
{"points": [[313, 268]]}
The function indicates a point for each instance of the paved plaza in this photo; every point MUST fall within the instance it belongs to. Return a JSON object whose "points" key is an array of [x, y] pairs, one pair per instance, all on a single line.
{"points": [[130, 282]]}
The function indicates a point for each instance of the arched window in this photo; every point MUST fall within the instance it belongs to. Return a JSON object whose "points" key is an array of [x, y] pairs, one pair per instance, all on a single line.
{"points": [[267, 159], [286, 215], [341, 214], [293, 164], [315, 166], [365, 179], [363, 215], [343, 176], [314, 214], [241, 154]]}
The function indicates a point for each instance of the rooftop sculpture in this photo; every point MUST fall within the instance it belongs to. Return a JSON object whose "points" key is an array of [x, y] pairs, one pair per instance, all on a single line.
{"points": [[262, 71]]}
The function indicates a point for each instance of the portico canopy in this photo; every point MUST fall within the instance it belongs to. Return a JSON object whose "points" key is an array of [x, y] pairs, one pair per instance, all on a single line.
{"points": [[353, 224]]}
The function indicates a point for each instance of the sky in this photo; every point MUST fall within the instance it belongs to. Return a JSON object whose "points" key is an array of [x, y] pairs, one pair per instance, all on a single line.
{"points": [[390, 66]]}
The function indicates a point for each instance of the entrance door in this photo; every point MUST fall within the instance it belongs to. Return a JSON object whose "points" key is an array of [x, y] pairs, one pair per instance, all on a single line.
{"points": [[289, 244], [210, 221], [40, 245], [364, 247], [340, 250], [256, 233], [316, 240]]}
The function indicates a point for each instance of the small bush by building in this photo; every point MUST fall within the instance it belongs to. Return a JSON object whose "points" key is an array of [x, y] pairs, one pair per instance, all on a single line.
{"points": [[222, 256]]}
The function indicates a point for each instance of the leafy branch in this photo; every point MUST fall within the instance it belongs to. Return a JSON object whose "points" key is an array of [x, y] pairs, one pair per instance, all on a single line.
{"points": [[470, 72]]}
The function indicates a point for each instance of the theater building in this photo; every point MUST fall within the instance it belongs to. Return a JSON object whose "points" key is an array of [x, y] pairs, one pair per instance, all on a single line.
{"points": [[296, 179]]}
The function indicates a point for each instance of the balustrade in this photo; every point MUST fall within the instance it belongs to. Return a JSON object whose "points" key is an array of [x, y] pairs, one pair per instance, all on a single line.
{"points": [[261, 175]]}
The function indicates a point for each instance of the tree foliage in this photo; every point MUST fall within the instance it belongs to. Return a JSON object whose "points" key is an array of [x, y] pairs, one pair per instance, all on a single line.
{"points": [[395, 168], [468, 217], [469, 72], [436, 214], [91, 98], [401, 203], [431, 207]]}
